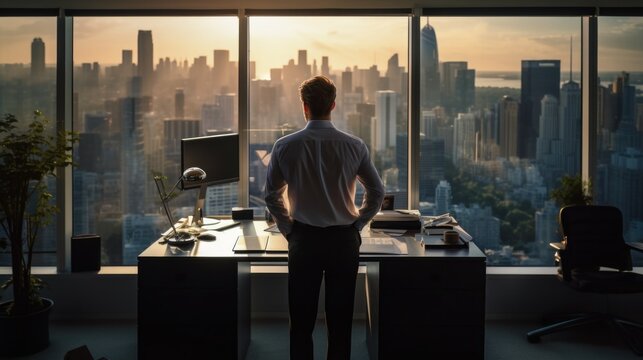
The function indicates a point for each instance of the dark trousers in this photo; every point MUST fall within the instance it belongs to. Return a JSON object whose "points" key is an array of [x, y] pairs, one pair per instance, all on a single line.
{"points": [[333, 253]]}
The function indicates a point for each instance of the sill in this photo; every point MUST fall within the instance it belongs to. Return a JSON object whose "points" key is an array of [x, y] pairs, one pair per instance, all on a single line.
{"points": [[283, 269], [51, 270], [515, 270]]}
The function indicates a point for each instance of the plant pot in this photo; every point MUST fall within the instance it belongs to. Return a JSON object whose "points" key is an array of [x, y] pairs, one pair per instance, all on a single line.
{"points": [[24, 334]]}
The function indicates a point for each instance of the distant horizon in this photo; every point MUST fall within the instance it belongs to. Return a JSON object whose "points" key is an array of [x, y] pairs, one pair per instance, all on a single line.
{"points": [[489, 44], [486, 72]]}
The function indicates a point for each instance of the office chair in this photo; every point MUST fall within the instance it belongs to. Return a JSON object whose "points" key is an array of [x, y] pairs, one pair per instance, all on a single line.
{"points": [[593, 238], [80, 353]]}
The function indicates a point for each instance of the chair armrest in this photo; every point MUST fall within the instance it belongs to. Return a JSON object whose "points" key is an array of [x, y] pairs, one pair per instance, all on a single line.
{"points": [[635, 246], [557, 245]]}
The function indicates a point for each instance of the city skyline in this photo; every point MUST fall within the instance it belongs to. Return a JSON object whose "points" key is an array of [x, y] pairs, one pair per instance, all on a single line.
{"points": [[490, 44]]}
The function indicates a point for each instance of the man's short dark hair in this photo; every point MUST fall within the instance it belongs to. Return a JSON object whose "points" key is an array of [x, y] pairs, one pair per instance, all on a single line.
{"points": [[319, 94]]}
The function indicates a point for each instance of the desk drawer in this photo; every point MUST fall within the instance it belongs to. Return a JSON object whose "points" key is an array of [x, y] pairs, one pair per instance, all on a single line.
{"points": [[435, 274], [187, 306], [187, 273], [409, 306]]}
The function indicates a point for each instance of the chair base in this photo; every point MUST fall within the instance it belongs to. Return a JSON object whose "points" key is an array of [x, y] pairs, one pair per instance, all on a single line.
{"points": [[631, 332]]}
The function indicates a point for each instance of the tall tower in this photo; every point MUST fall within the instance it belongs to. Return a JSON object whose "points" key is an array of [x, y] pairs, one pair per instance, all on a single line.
{"points": [[146, 61], [507, 112], [465, 89], [222, 70], [448, 79], [548, 145], [442, 197], [37, 59], [347, 81], [179, 104], [429, 73], [385, 120], [127, 65], [394, 74], [570, 126], [325, 68], [537, 79], [465, 141]]}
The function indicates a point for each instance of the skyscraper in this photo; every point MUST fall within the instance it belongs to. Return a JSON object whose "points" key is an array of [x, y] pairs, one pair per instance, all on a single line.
{"points": [[347, 82], [146, 61], [37, 59], [325, 68], [222, 70], [429, 73], [464, 139], [179, 104], [394, 74], [465, 89], [448, 73], [127, 67], [570, 126], [385, 120], [626, 135], [537, 79], [507, 113], [548, 145], [442, 197]]}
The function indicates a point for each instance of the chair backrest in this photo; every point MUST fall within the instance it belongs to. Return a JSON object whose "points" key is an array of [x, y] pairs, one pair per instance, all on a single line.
{"points": [[594, 238]]}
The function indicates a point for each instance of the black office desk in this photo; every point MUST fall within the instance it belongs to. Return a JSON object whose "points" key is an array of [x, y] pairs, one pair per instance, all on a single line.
{"points": [[194, 303]]}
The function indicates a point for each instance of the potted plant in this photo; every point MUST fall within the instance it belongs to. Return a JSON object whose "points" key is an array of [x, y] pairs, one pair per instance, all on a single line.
{"points": [[572, 191], [28, 156]]}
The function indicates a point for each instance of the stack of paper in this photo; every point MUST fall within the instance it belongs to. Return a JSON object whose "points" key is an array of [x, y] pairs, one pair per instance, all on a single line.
{"points": [[382, 245], [397, 219]]}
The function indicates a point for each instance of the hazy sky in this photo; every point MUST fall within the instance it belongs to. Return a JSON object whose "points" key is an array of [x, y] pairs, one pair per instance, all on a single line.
{"points": [[487, 43]]}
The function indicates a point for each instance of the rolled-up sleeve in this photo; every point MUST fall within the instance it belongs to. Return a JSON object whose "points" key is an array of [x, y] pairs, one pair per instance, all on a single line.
{"points": [[275, 188], [374, 190]]}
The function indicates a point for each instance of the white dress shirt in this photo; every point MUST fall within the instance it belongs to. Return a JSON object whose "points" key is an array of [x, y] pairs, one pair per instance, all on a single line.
{"points": [[317, 168]]}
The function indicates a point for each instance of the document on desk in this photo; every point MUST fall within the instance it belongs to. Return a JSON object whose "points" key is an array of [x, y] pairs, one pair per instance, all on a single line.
{"points": [[383, 245], [222, 225], [277, 243], [247, 243]]}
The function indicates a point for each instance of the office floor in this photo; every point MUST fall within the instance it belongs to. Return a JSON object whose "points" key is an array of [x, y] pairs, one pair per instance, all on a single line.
{"points": [[504, 340]]}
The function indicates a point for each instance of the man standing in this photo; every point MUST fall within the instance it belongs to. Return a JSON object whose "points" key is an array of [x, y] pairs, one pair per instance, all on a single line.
{"points": [[318, 167]]}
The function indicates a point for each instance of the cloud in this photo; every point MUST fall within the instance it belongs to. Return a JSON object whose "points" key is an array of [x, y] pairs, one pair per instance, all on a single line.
{"points": [[320, 45], [554, 41], [621, 35], [20, 27]]}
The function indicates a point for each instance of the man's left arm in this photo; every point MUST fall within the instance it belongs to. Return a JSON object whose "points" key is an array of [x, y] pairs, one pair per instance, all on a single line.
{"points": [[367, 175]]}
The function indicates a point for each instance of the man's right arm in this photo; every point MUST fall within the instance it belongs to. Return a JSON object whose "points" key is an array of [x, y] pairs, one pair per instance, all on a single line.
{"points": [[275, 188]]}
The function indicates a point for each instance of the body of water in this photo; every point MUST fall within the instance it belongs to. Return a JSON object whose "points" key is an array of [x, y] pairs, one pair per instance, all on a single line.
{"points": [[515, 83]]}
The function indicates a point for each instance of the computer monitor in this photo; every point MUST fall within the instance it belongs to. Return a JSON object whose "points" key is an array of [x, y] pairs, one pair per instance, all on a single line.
{"points": [[218, 156]]}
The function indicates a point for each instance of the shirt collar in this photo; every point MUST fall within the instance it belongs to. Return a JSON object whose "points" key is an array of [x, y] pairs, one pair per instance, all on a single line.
{"points": [[320, 124]]}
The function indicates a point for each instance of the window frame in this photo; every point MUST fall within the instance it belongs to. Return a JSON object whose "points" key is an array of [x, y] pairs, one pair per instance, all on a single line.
{"points": [[65, 16]]}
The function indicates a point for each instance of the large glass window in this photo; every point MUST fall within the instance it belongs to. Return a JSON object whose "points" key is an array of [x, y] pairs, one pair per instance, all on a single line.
{"points": [[366, 57], [28, 83], [140, 86], [619, 138], [500, 125]]}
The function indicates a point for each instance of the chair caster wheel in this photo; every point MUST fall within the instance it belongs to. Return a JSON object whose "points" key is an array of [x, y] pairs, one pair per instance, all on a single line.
{"points": [[533, 339]]}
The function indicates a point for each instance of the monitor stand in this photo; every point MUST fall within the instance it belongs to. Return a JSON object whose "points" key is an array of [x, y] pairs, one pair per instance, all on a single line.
{"points": [[197, 216]]}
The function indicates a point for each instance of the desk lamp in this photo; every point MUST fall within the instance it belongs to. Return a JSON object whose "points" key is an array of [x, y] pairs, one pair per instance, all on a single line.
{"points": [[192, 174]]}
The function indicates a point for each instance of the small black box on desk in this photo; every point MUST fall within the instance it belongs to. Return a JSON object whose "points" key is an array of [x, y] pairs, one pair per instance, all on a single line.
{"points": [[85, 252], [397, 219]]}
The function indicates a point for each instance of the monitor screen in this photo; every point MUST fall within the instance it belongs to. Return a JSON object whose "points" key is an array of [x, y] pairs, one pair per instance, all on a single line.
{"points": [[217, 155]]}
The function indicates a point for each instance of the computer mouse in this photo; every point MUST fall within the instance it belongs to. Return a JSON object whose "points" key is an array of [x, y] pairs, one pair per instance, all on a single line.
{"points": [[207, 236]]}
